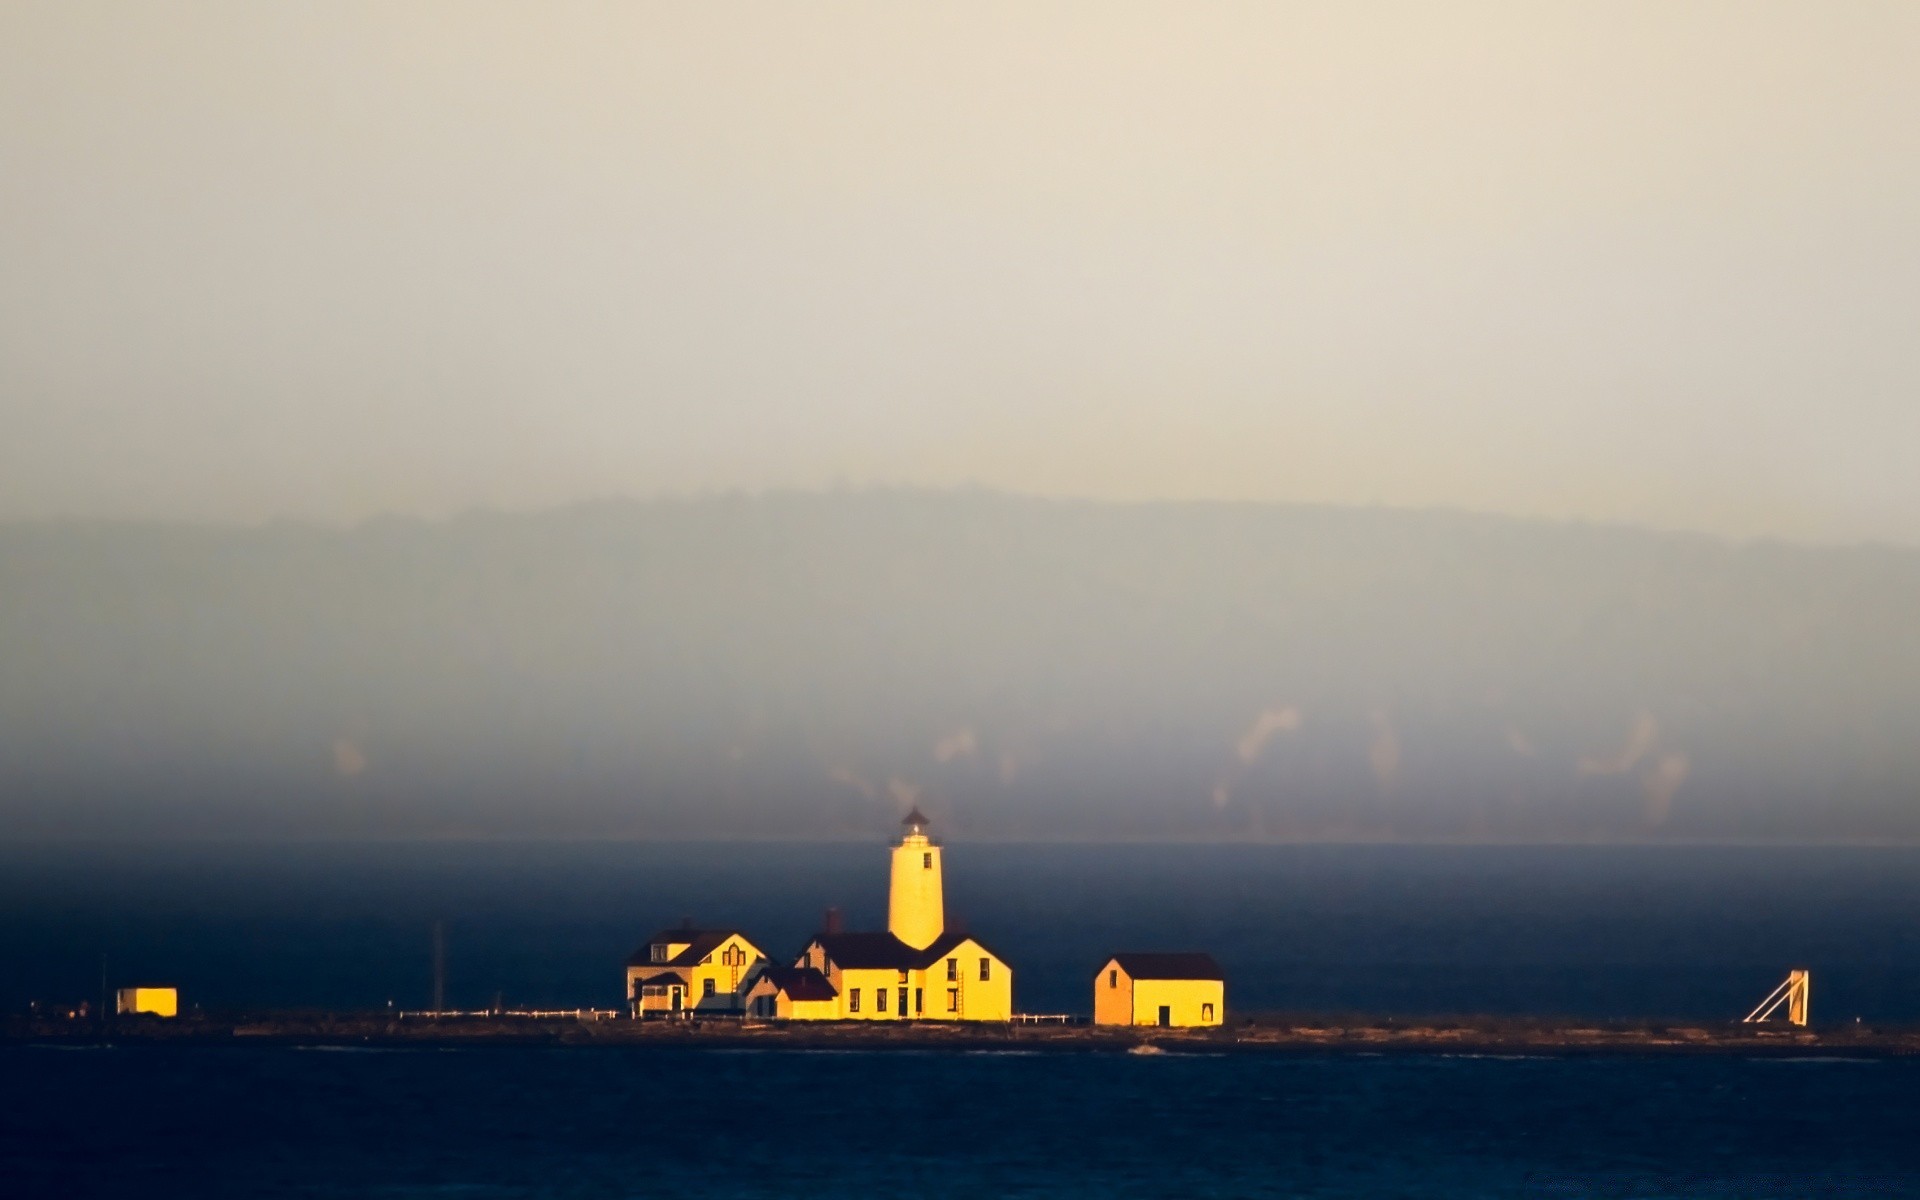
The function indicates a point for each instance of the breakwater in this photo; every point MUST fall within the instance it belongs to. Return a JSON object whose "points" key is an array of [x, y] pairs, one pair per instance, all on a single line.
{"points": [[1281, 1034]]}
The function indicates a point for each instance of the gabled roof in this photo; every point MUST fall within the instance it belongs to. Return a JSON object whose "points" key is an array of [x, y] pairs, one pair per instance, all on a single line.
{"points": [[662, 977], [883, 951], [866, 951], [699, 943], [946, 944], [1169, 966], [800, 983]]}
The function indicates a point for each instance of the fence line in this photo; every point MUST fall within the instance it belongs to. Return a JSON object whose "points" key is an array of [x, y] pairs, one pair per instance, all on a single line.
{"points": [[579, 1014]]}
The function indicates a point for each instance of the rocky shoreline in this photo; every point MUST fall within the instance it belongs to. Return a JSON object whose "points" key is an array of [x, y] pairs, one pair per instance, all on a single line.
{"points": [[1490, 1036]]}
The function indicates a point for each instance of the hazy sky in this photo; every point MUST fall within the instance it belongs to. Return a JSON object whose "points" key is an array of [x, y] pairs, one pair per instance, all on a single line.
{"points": [[1655, 262]]}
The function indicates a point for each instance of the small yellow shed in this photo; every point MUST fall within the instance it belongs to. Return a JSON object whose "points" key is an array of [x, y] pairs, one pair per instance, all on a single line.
{"points": [[793, 994], [153, 1001], [1173, 990]]}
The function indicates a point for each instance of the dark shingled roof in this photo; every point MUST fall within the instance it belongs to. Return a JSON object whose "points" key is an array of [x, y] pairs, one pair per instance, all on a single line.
{"points": [[883, 951], [703, 942], [945, 944], [1169, 966], [866, 951], [800, 983]]}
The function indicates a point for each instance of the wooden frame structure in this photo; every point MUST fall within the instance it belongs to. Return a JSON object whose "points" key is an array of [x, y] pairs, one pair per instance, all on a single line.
{"points": [[1792, 992]]}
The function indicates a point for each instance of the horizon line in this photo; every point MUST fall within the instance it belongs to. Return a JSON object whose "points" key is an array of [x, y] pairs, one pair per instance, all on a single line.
{"points": [[720, 495]]}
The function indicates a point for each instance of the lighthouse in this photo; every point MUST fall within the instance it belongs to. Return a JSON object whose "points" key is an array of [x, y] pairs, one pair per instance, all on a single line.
{"points": [[916, 913]]}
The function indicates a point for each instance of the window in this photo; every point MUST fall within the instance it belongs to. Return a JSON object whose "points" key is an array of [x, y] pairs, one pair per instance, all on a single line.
{"points": [[953, 1000], [706, 988], [853, 1000], [986, 969], [1206, 1012], [1113, 978], [926, 861], [919, 1001], [953, 969], [659, 953], [903, 977], [879, 999]]}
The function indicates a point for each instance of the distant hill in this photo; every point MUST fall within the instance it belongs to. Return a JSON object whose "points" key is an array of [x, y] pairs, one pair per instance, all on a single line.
{"points": [[804, 665]]}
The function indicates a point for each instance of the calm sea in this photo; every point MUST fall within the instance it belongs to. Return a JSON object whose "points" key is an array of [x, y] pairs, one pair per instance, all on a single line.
{"points": [[1680, 932], [499, 1122]]}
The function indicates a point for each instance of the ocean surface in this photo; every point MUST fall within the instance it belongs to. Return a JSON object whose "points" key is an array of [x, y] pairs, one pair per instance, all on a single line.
{"points": [[497, 1122], [1682, 932]]}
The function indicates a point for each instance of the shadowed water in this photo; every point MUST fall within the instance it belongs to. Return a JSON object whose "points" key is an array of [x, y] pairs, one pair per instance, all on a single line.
{"points": [[622, 1122]]}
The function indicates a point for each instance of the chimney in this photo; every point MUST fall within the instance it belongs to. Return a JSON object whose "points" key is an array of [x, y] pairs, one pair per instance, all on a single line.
{"points": [[831, 921]]}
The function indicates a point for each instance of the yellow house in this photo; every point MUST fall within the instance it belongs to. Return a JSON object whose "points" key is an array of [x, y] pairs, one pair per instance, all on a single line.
{"points": [[917, 970], [1160, 989], [692, 970], [792, 994], [878, 977], [153, 1001]]}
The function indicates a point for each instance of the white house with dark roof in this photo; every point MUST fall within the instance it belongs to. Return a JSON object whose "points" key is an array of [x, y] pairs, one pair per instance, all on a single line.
{"points": [[914, 970], [1183, 989], [792, 994], [878, 977], [690, 970]]}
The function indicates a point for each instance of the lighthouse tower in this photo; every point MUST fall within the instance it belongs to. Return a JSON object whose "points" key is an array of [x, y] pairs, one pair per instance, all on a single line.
{"points": [[915, 912]]}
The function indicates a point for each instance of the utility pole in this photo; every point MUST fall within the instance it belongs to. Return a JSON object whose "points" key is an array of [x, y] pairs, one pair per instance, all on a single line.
{"points": [[439, 967]]}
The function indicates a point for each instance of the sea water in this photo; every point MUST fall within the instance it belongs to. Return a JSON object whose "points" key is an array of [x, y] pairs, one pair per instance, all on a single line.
{"points": [[501, 1121]]}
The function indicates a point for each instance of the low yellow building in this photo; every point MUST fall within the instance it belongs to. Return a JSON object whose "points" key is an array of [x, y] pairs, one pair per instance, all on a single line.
{"points": [[1171, 990], [878, 977], [152, 1001], [692, 970], [792, 994]]}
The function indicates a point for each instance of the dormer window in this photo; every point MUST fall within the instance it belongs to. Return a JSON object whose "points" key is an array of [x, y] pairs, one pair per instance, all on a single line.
{"points": [[659, 952]]}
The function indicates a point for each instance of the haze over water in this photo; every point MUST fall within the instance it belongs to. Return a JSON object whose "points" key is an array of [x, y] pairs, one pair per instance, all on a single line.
{"points": [[1414, 500], [1683, 933]]}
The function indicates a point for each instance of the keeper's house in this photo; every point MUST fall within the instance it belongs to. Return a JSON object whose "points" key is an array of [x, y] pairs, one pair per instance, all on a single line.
{"points": [[692, 970], [1173, 990], [914, 970]]}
